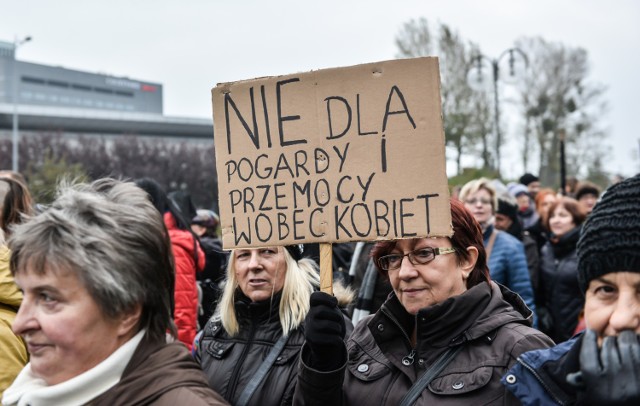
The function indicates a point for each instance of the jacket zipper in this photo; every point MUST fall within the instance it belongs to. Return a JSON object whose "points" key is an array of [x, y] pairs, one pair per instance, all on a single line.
{"points": [[533, 371], [233, 383], [409, 358]]}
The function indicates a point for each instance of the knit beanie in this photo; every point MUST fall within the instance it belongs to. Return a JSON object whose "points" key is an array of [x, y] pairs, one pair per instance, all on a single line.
{"points": [[516, 189], [508, 209], [610, 240], [528, 178]]}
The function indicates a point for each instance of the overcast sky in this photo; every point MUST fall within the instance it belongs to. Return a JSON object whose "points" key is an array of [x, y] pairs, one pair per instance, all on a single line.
{"points": [[191, 45]]}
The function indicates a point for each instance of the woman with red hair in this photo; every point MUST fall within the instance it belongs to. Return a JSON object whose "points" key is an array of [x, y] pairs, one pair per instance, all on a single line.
{"points": [[444, 312]]}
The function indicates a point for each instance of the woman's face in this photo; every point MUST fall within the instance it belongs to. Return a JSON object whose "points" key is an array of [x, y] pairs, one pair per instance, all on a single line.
{"points": [[503, 222], [561, 221], [524, 201], [479, 204], [613, 304], [587, 202], [547, 201], [419, 286], [65, 331], [260, 272]]}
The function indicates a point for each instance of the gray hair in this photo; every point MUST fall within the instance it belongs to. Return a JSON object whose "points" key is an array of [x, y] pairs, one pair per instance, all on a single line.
{"points": [[113, 239]]}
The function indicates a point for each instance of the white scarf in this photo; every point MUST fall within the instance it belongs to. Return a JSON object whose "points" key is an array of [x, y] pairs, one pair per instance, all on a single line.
{"points": [[28, 389]]}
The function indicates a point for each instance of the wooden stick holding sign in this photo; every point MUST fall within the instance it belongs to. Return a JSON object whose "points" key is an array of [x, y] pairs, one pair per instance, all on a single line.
{"points": [[326, 268]]}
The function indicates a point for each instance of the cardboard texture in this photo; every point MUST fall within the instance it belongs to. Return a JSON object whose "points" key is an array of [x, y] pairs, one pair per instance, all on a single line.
{"points": [[334, 155]]}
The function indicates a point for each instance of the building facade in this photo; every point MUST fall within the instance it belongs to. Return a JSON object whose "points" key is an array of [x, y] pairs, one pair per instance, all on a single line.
{"points": [[52, 98]]}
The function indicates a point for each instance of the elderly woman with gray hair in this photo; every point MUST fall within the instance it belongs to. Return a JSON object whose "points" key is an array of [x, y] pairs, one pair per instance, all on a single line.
{"points": [[97, 275]]}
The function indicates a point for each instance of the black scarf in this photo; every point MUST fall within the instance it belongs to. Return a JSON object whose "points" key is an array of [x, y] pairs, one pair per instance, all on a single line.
{"points": [[565, 244]]}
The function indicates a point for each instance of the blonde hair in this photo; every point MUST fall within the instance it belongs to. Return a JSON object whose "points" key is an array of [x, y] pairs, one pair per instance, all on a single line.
{"points": [[473, 186], [300, 280]]}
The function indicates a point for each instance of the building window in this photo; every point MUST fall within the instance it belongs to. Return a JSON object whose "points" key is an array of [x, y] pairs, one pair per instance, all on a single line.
{"points": [[103, 90], [30, 79], [81, 87], [57, 83]]}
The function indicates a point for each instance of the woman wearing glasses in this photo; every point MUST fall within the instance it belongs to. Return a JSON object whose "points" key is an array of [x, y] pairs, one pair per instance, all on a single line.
{"points": [[444, 312], [505, 253]]}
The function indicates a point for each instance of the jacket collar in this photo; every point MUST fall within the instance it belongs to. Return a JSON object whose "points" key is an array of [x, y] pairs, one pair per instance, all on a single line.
{"points": [[258, 311], [469, 316], [565, 244], [445, 323]]}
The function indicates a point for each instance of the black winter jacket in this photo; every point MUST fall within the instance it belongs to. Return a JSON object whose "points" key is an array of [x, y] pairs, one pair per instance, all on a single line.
{"points": [[231, 362], [562, 297]]}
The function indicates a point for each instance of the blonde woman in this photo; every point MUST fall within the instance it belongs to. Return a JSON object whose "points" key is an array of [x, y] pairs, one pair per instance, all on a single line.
{"points": [[506, 257], [249, 349]]}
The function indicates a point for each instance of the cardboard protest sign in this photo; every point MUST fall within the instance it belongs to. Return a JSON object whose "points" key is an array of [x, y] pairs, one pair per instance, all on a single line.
{"points": [[334, 155]]}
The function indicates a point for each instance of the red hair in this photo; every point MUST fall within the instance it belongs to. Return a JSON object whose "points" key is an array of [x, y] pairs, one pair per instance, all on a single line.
{"points": [[542, 193], [466, 233]]}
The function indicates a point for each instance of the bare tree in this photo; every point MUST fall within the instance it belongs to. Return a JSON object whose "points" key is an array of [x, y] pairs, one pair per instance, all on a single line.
{"points": [[414, 39], [464, 111], [177, 165], [556, 95]]}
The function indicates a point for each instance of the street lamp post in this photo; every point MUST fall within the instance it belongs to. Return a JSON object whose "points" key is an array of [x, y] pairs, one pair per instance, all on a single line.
{"points": [[15, 135], [563, 165], [495, 70]]}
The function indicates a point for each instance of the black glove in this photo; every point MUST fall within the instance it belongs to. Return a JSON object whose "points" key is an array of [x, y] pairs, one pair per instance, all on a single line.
{"points": [[611, 375], [324, 332]]}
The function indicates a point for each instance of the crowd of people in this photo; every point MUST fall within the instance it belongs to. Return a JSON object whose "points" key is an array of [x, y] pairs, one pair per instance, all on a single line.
{"points": [[121, 293]]}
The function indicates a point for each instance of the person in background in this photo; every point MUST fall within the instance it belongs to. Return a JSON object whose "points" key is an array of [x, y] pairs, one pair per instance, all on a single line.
{"points": [[189, 259], [507, 220], [526, 211], [602, 365], [372, 287], [560, 294], [205, 226], [444, 306], [506, 258], [570, 187], [15, 206], [538, 232], [341, 260], [587, 194], [96, 271], [249, 349], [13, 175], [532, 182]]}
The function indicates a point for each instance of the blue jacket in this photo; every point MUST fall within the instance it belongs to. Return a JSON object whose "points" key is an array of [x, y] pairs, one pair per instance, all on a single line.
{"points": [[539, 377], [508, 267]]}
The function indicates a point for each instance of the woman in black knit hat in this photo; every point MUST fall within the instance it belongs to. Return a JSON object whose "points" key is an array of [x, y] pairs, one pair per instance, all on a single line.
{"points": [[602, 365]]}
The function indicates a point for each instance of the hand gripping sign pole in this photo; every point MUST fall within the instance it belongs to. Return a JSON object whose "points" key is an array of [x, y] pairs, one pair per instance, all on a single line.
{"points": [[332, 156]]}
